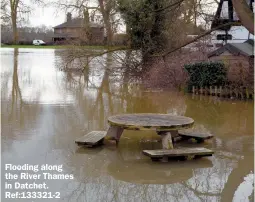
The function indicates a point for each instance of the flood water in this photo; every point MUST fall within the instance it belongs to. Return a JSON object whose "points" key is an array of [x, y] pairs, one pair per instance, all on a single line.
{"points": [[43, 111]]}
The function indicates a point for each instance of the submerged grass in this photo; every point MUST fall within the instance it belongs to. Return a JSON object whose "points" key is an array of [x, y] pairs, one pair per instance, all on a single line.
{"points": [[61, 47]]}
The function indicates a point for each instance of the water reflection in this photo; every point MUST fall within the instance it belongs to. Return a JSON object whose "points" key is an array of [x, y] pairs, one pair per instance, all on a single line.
{"points": [[130, 165], [45, 109], [16, 92]]}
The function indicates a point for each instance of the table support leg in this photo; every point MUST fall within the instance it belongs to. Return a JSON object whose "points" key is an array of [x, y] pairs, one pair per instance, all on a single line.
{"points": [[167, 141], [115, 132]]}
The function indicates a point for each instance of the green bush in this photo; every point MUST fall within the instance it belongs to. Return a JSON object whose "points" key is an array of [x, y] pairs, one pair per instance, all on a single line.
{"points": [[205, 74]]}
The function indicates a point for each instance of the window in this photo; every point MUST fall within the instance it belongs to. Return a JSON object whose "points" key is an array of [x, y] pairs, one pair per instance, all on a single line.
{"points": [[224, 37]]}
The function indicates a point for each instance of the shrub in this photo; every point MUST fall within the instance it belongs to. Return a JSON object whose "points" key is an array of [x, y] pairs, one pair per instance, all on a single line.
{"points": [[204, 74], [50, 43], [25, 43]]}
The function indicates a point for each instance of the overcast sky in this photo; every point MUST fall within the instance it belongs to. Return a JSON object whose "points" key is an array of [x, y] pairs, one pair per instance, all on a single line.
{"points": [[47, 16], [50, 16]]}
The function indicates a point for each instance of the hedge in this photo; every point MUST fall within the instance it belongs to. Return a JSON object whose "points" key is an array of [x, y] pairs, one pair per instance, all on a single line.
{"points": [[204, 74]]}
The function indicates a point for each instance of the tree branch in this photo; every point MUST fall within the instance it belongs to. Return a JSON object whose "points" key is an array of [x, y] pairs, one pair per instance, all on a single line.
{"points": [[245, 14], [169, 6], [195, 39]]}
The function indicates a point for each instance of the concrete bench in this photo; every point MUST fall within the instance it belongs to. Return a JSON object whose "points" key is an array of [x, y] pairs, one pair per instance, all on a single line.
{"points": [[199, 137], [93, 138], [180, 153]]}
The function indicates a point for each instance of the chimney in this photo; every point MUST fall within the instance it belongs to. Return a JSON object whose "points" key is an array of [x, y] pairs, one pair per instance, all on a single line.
{"points": [[68, 17]]}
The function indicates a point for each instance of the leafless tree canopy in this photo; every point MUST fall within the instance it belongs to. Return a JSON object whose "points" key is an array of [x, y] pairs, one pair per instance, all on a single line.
{"points": [[15, 12]]}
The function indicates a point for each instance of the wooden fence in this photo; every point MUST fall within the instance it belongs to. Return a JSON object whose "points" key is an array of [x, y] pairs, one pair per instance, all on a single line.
{"points": [[242, 93]]}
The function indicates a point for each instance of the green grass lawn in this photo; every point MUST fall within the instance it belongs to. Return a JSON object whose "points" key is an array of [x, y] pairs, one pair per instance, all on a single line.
{"points": [[60, 47]]}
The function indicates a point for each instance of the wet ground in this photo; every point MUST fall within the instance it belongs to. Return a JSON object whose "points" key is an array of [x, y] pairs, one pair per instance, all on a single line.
{"points": [[43, 110]]}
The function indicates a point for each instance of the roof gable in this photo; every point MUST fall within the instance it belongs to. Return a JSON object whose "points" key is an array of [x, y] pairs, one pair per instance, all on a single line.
{"points": [[245, 49], [76, 23]]}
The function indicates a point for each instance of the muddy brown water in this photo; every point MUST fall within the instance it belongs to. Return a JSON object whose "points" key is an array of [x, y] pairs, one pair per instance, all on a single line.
{"points": [[43, 110]]}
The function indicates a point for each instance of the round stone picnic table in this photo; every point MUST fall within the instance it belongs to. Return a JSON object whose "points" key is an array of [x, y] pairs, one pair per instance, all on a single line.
{"points": [[165, 125]]}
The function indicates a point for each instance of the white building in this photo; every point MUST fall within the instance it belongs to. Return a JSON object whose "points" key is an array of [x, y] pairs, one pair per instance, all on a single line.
{"points": [[239, 34]]}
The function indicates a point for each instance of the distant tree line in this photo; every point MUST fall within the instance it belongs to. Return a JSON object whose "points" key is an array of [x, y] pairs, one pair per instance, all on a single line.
{"points": [[26, 34]]}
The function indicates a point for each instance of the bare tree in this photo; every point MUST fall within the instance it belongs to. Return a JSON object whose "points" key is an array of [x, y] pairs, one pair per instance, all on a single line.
{"points": [[107, 8], [160, 57], [15, 11], [4, 16]]}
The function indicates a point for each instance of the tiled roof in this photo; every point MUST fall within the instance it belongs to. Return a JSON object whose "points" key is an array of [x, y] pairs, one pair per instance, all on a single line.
{"points": [[76, 22], [245, 49]]}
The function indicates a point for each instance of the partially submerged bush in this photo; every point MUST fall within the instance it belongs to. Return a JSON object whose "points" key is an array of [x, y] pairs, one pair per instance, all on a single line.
{"points": [[204, 74], [171, 74]]}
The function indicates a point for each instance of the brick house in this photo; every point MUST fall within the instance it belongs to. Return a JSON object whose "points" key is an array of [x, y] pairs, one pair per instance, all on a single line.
{"points": [[74, 29], [239, 59]]}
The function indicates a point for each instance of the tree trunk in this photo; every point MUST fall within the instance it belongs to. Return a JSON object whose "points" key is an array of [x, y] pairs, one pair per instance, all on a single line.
{"points": [[245, 14], [129, 40], [157, 34], [87, 29], [106, 17], [108, 31], [15, 32], [14, 6]]}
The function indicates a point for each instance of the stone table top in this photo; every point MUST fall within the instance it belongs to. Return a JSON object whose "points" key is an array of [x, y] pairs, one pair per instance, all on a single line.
{"points": [[151, 121]]}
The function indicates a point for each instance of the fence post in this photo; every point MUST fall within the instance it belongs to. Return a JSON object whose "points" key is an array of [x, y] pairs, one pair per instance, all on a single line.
{"points": [[241, 93], [193, 89], [247, 93], [215, 90], [236, 93], [220, 91], [210, 90], [226, 91], [230, 92]]}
